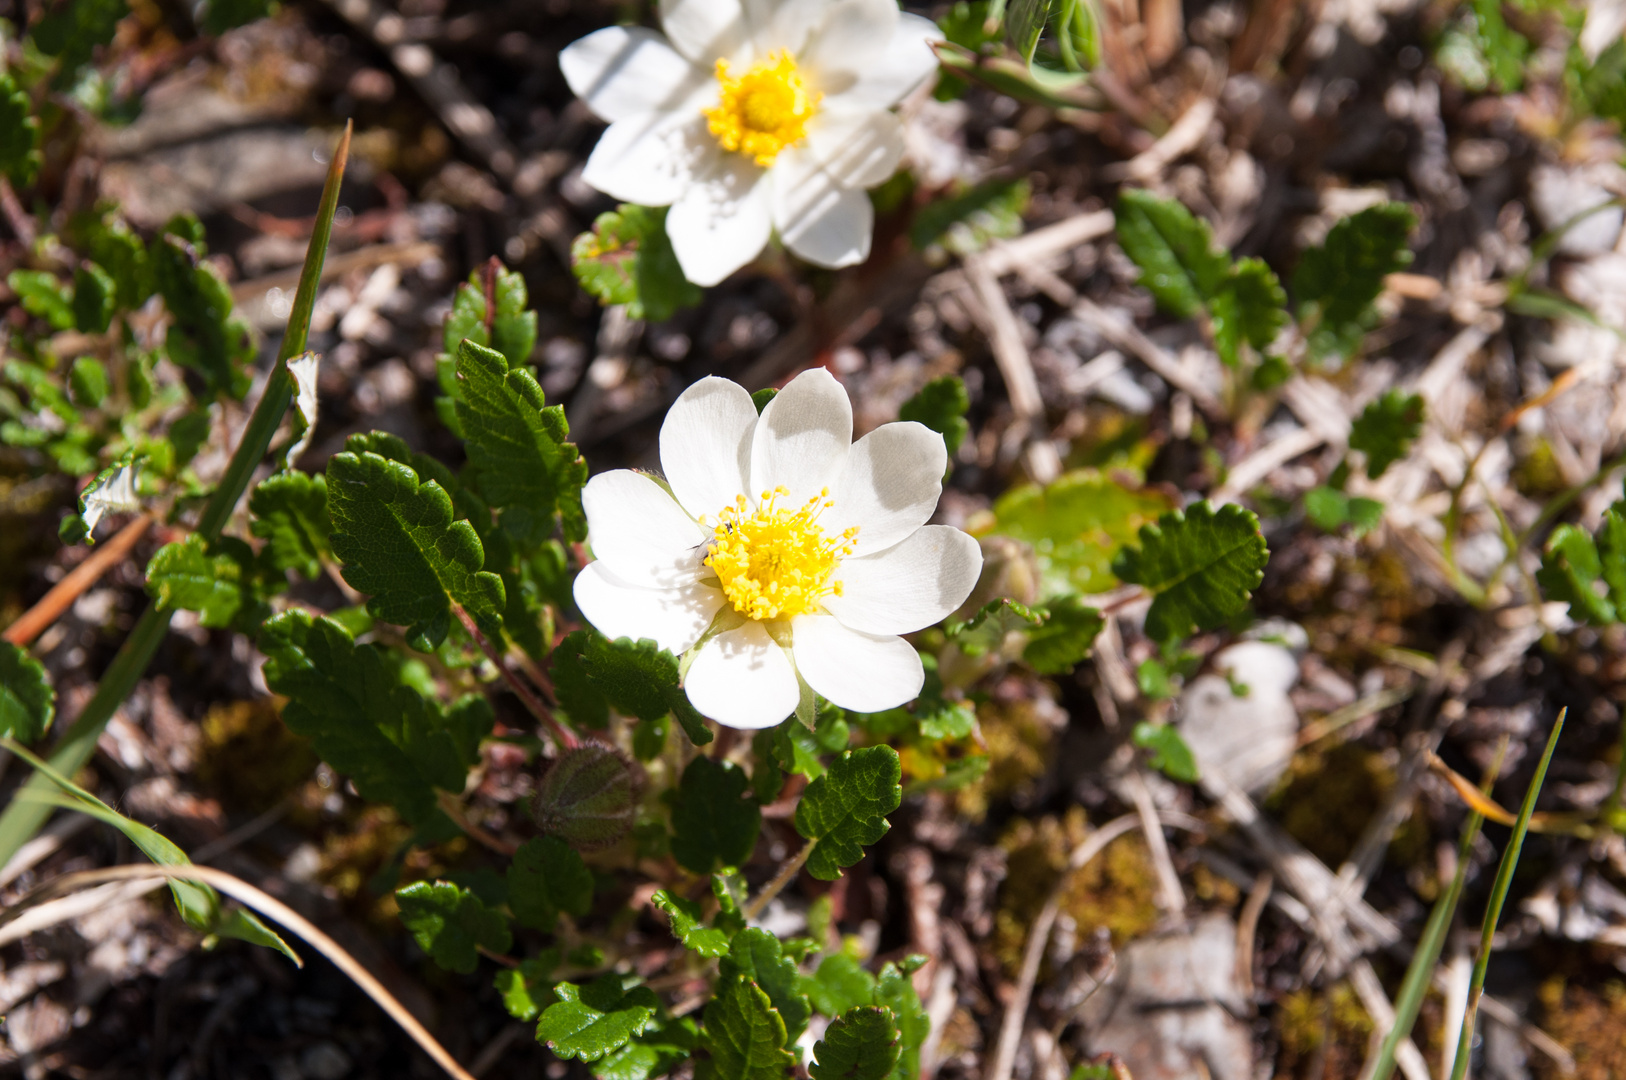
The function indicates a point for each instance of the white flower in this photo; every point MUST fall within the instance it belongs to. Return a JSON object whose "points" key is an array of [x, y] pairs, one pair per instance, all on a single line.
{"points": [[753, 115], [782, 548]]}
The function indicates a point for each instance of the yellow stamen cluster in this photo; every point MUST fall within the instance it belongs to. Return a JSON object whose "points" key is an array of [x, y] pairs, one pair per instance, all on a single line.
{"points": [[764, 110], [776, 563]]}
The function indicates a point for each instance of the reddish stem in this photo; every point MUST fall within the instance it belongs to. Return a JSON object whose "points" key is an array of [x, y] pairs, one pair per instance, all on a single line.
{"points": [[562, 736]]}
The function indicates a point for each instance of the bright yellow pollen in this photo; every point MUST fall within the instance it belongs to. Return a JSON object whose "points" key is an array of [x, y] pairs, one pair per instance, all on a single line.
{"points": [[776, 563], [763, 111]]}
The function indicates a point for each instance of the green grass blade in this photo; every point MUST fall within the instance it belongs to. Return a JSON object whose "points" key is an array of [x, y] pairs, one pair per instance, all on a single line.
{"points": [[23, 816], [1493, 912]]}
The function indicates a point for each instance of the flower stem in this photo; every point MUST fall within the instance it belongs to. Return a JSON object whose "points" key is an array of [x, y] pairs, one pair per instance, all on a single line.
{"points": [[454, 810], [562, 736], [786, 875]]}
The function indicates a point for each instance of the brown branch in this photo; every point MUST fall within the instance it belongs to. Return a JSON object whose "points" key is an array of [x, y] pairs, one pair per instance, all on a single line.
{"points": [[452, 809], [34, 622], [563, 736]]}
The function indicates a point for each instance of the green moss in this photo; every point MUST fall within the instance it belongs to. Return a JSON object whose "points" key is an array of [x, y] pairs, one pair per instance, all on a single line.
{"points": [[1330, 795], [1590, 1023], [1017, 742], [249, 757], [1322, 1033]]}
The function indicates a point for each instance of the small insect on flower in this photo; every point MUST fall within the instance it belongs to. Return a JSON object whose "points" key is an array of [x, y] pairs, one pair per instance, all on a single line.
{"points": [[779, 550], [750, 116]]}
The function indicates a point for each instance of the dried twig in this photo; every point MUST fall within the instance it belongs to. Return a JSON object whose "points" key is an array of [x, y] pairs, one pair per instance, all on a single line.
{"points": [[1016, 367], [1126, 336]]}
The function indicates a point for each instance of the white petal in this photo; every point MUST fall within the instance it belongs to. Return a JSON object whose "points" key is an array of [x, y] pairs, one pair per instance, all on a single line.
{"points": [[907, 61], [722, 222], [889, 485], [743, 679], [622, 71], [862, 672], [652, 159], [852, 39], [674, 618], [707, 30], [858, 149], [821, 221], [783, 24], [706, 445], [802, 438], [641, 532], [910, 585]]}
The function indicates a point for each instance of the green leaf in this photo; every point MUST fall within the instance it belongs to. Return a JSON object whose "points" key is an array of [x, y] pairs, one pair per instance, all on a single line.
{"points": [[216, 584], [972, 217], [113, 491], [861, 1044], [941, 405], [1063, 640], [523, 992], [656, 1052], [43, 295], [1586, 573], [94, 292], [846, 808], [19, 133], [744, 1036], [637, 679], [362, 720], [689, 927], [1169, 753], [548, 877], [1075, 527], [985, 632], [87, 379], [628, 259], [223, 15], [451, 924], [517, 442], [1385, 429], [1200, 565], [203, 334], [1336, 283], [592, 1020], [27, 699], [1504, 47], [839, 985], [1024, 22], [760, 398], [713, 824], [399, 545], [1250, 307], [1174, 250], [757, 955], [513, 327], [895, 992], [290, 514], [588, 797], [946, 719], [1331, 509], [74, 29], [122, 254]]}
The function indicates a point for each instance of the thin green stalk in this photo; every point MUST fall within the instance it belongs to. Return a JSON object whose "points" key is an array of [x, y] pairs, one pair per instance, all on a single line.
{"points": [[1414, 988], [24, 815], [1493, 913]]}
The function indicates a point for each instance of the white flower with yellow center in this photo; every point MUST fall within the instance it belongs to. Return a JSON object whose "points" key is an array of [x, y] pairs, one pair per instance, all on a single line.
{"points": [[787, 552], [750, 116]]}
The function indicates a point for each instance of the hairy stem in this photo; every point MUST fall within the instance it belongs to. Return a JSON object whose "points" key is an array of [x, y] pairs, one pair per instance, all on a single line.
{"points": [[563, 736], [786, 875]]}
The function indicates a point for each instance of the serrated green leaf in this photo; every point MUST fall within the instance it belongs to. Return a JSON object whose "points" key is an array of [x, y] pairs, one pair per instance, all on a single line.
{"points": [[19, 133], [656, 1052], [744, 1035], [628, 259], [94, 292], [1336, 282], [757, 955], [1075, 526], [513, 327], [27, 698], [1169, 753], [400, 546], [547, 878], [895, 992], [637, 679], [986, 631], [713, 824], [1250, 307], [846, 808], [839, 985], [860, 1044], [588, 797], [74, 29], [1174, 250], [1200, 565], [451, 924], [1063, 640], [517, 442], [524, 989], [1385, 429], [1586, 573], [216, 584], [122, 254], [590, 1021], [204, 334], [689, 926], [941, 405], [43, 295], [87, 379], [290, 514], [971, 218], [361, 719]]}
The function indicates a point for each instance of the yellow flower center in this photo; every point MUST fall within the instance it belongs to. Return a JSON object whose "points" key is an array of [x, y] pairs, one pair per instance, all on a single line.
{"points": [[776, 563], [764, 110]]}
